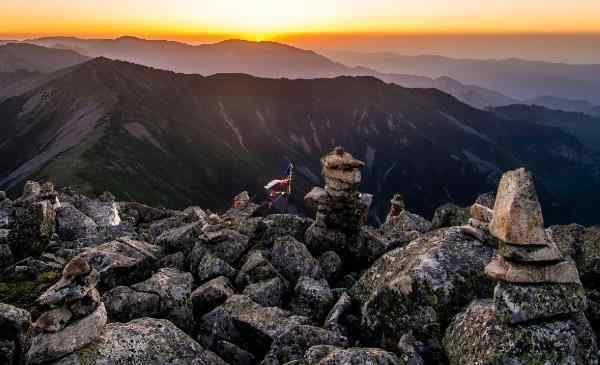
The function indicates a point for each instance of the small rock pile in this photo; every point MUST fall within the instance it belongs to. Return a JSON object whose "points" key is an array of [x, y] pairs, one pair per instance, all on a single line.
{"points": [[72, 314], [339, 211], [535, 281]]}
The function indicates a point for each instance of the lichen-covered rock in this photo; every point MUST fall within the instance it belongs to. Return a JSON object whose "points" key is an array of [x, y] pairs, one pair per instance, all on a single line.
{"points": [[49, 346], [255, 269], [450, 215], [293, 260], [33, 225], [174, 288], [564, 272], [175, 261], [331, 265], [336, 318], [269, 293], [406, 222], [210, 295], [293, 343], [143, 341], [312, 298], [331, 355], [104, 213], [588, 261], [180, 238], [226, 244], [518, 303], [143, 214], [72, 224], [6, 256], [477, 337], [122, 262], [233, 354], [281, 225], [15, 332], [124, 304], [569, 239], [246, 324], [481, 213], [517, 212], [421, 286], [211, 267]]}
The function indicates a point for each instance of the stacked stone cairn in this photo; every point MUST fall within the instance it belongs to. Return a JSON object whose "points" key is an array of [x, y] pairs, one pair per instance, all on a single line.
{"points": [[339, 211], [535, 282], [71, 314], [397, 206]]}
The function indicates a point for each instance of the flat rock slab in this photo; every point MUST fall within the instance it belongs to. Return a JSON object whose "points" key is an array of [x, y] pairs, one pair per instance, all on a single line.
{"points": [[477, 337], [533, 253], [143, 341], [523, 303], [563, 272], [331, 355]]}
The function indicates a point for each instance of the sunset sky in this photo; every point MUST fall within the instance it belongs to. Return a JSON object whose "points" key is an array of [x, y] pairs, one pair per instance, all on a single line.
{"points": [[265, 19]]}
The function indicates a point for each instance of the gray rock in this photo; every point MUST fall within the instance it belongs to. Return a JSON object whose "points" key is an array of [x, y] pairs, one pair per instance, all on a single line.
{"points": [[481, 213], [293, 343], [46, 347], [406, 222], [180, 238], [228, 245], [312, 298], [124, 304], [33, 225], [269, 293], [6, 257], [476, 336], [15, 331], [72, 224], [211, 267], [450, 215], [281, 225], [143, 214], [331, 265], [122, 262], [335, 319], [255, 269], [487, 200], [421, 286], [293, 260], [175, 261], [143, 341], [569, 239], [517, 303], [105, 214], [210, 295], [53, 320], [588, 262], [331, 355], [246, 324], [174, 288], [233, 354]]}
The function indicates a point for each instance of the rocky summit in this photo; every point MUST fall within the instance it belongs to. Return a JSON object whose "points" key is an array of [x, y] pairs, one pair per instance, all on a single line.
{"points": [[99, 281]]}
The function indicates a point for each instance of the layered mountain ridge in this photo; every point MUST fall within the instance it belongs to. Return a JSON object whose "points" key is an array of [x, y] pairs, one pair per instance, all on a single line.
{"points": [[176, 139]]}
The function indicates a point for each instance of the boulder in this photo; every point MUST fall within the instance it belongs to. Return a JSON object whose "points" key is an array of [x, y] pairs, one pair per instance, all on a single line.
{"points": [[293, 343], [15, 333], [72, 224], [293, 260], [233, 354], [104, 213], [476, 336], [46, 347], [33, 225], [269, 293], [180, 238], [211, 267], [564, 272], [517, 212], [122, 262], [569, 239], [517, 303], [532, 254], [226, 244], [211, 295], [143, 341], [331, 355], [281, 225], [421, 286], [143, 214], [481, 213], [177, 220], [450, 215], [6, 256], [246, 324], [487, 200], [312, 298], [174, 288], [255, 269], [588, 262], [331, 266], [175, 261], [405, 222], [316, 196], [124, 304], [336, 318]]}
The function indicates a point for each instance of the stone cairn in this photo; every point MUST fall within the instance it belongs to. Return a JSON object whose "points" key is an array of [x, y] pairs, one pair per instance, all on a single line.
{"points": [[339, 209], [535, 281], [72, 314], [397, 206]]}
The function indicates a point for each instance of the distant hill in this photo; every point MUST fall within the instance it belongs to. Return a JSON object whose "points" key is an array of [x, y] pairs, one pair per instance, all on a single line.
{"points": [[568, 105], [262, 59], [176, 139], [520, 79], [585, 127], [27, 57]]}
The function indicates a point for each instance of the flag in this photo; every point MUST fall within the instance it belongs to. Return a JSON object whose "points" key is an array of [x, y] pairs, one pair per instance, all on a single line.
{"points": [[281, 187]]}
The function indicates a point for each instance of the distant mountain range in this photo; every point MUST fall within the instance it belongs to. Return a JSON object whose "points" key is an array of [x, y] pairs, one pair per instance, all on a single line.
{"points": [[520, 79], [176, 139], [262, 59]]}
